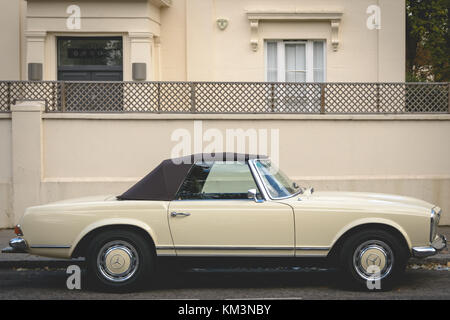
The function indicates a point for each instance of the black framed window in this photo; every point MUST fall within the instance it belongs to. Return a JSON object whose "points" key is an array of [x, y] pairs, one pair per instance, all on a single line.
{"points": [[90, 58], [90, 51]]}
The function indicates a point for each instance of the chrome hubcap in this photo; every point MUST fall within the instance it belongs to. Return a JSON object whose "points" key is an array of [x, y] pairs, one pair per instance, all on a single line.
{"points": [[117, 261], [373, 260]]}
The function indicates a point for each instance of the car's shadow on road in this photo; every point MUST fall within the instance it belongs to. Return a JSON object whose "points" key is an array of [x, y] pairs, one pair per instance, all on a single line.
{"points": [[256, 279]]}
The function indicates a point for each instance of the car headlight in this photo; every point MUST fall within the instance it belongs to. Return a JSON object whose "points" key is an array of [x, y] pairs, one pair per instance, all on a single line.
{"points": [[435, 217]]}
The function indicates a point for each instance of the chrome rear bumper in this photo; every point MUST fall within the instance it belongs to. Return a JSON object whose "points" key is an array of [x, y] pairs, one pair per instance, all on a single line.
{"points": [[439, 243], [16, 245]]}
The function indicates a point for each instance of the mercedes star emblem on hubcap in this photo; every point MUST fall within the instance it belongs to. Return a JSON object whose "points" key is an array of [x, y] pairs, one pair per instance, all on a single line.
{"points": [[117, 261], [373, 259]]}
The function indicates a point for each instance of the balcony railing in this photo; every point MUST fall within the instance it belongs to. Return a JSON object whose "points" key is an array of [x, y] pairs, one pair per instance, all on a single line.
{"points": [[230, 97]]}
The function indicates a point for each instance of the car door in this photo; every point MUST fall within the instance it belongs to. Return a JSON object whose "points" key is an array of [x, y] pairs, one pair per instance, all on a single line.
{"points": [[213, 216]]}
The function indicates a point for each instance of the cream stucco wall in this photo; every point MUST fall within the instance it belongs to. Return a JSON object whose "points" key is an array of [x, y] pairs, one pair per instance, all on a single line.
{"points": [[173, 42], [11, 29], [99, 146], [180, 40], [6, 214], [215, 55]]}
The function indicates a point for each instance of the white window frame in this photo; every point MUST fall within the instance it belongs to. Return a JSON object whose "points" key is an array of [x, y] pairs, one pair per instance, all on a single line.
{"points": [[281, 58]]}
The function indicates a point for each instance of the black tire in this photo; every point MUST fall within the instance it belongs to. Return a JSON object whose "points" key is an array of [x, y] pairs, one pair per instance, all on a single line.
{"points": [[119, 261], [373, 251]]}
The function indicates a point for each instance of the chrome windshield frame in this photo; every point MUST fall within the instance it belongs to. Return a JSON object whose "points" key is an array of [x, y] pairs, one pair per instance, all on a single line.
{"points": [[260, 182]]}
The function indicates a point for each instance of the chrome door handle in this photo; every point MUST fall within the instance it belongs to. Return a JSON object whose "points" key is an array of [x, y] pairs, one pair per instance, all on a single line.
{"points": [[175, 214]]}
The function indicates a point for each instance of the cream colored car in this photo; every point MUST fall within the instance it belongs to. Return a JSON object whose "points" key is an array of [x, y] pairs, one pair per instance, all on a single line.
{"points": [[227, 207]]}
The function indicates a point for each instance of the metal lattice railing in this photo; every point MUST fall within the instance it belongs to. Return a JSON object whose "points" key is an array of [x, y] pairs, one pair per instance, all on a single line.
{"points": [[230, 97]]}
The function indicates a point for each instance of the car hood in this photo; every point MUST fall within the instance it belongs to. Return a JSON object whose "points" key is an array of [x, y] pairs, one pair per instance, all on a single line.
{"points": [[360, 200]]}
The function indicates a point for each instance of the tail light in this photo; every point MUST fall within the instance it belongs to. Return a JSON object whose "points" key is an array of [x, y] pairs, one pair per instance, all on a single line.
{"points": [[18, 231]]}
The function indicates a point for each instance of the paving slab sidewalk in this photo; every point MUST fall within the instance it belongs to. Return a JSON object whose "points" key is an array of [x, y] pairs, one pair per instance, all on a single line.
{"points": [[19, 260]]}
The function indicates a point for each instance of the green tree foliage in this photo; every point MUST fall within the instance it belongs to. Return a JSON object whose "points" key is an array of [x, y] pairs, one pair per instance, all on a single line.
{"points": [[427, 40]]}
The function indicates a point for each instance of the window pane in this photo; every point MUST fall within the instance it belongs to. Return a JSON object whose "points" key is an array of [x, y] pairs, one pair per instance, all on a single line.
{"points": [[300, 57], [195, 180], [300, 76], [319, 63], [90, 51], [290, 57], [218, 180], [272, 74], [228, 180], [318, 76], [295, 62], [290, 77], [277, 183]]}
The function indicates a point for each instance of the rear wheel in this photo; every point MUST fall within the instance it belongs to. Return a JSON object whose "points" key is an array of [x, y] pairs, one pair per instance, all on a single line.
{"points": [[373, 259], [119, 261]]}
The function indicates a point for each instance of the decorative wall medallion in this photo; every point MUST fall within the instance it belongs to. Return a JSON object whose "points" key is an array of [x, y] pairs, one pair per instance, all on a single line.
{"points": [[222, 23]]}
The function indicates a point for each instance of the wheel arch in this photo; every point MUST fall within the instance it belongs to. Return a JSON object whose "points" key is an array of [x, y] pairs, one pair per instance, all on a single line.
{"points": [[79, 250], [390, 227]]}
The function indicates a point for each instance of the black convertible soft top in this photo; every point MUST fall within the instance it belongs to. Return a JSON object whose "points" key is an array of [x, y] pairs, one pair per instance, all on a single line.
{"points": [[164, 181]]}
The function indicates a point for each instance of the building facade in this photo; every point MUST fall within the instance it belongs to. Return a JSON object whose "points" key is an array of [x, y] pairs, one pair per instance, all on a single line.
{"points": [[204, 40]]}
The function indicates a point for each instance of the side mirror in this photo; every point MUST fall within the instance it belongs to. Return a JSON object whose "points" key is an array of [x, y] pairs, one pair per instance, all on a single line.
{"points": [[252, 194]]}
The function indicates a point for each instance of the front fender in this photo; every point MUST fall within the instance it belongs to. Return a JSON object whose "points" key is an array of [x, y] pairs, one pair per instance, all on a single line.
{"points": [[372, 220]]}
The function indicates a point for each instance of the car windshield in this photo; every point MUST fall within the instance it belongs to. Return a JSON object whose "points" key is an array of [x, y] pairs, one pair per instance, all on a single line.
{"points": [[277, 183]]}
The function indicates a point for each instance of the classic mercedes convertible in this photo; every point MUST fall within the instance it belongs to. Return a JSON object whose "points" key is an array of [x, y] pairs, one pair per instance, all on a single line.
{"points": [[230, 207]]}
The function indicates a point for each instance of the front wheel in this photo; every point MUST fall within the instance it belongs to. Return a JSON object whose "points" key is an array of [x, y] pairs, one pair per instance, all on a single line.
{"points": [[119, 260], [373, 259]]}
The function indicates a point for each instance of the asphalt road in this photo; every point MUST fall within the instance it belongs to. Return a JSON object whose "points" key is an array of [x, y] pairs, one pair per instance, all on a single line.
{"points": [[51, 284]]}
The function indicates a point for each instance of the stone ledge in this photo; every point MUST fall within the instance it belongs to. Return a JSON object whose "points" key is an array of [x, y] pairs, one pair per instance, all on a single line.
{"points": [[247, 116]]}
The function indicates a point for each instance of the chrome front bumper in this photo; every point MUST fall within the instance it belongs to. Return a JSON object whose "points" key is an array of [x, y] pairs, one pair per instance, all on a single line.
{"points": [[16, 245], [439, 243]]}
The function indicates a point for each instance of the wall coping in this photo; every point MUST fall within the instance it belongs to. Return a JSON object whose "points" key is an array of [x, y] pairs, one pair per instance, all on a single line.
{"points": [[28, 106], [190, 116]]}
